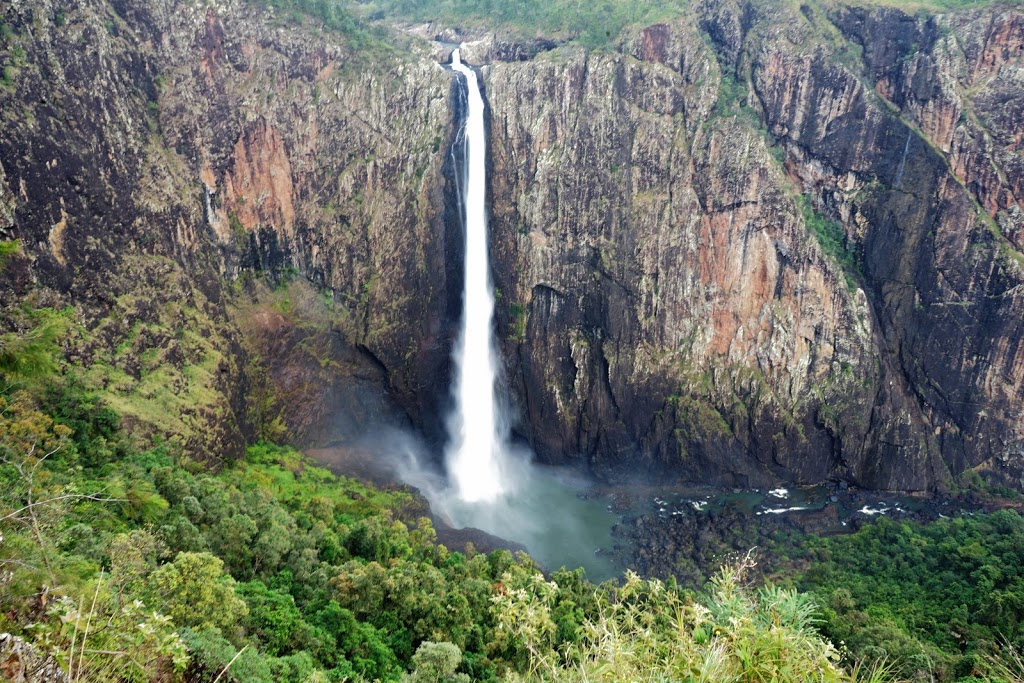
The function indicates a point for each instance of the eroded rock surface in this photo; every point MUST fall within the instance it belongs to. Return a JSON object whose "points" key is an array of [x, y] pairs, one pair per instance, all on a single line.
{"points": [[21, 663], [748, 245]]}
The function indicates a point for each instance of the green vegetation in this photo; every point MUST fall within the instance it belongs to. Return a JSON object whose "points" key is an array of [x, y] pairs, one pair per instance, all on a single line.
{"points": [[337, 17], [12, 58], [912, 6], [160, 356], [519, 318], [832, 241], [287, 572], [647, 630], [937, 599], [128, 561], [732, 98], [941, 601], [591, 24], [8, 250], [333, 15]]}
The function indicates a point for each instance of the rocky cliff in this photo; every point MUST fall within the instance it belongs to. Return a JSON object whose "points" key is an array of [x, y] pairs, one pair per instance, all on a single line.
{"points": [[158, 157], [672, 308], [750, 244]]}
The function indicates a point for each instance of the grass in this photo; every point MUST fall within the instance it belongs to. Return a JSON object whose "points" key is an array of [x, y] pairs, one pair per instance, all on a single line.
{"points": [[339, 18], [593, 25], [732, 97], [160, 356], [294, 478], [832, 240], [649, 631], [914, 6], [520, 317]]}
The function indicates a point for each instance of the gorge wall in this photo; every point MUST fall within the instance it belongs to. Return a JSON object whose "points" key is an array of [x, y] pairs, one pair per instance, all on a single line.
{"points": [[748, 245], [671, 304]]}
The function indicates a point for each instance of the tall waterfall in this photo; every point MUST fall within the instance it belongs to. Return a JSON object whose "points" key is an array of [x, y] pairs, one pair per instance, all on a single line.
{"points": [[476, 448]]}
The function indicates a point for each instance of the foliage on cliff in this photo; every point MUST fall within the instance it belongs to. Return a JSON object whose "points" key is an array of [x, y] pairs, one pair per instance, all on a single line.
{"points": [[592, 24], [338, 17]]}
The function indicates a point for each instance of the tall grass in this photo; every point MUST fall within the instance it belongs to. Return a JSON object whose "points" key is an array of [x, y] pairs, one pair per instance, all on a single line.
{"points": [[651, 632]]}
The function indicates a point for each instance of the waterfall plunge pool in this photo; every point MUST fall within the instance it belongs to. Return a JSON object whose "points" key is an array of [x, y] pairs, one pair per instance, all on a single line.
{"points": [[562, 518], [548, 510]]}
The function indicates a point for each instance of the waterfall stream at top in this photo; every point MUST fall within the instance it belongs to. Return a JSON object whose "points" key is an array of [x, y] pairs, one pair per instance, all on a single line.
{"points": [[476, 451]]}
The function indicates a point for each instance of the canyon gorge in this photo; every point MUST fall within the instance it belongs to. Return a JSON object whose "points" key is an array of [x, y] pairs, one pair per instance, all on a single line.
{"points": [[748, 244]]}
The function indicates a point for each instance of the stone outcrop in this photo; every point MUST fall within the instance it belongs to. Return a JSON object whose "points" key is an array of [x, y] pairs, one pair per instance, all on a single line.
{"points": [[22, 663], [752, 244]]}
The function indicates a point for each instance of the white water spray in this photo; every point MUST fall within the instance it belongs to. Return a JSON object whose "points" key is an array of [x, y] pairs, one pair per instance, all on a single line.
{"points": [[476, 450]]}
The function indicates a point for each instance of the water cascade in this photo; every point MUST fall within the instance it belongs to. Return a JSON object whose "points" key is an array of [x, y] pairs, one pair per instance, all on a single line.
{"points": [[476, 449], [492, 484]]}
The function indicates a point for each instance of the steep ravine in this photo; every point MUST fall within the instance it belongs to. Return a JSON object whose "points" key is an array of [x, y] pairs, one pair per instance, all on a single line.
{"points": [[665, 309]]}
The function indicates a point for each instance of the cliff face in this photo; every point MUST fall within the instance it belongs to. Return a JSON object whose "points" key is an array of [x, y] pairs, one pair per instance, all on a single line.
{"points": [[676, 311], [943, 248], [671, 309], [744, 246], [157, 155], [313, 156], [940, 272]]}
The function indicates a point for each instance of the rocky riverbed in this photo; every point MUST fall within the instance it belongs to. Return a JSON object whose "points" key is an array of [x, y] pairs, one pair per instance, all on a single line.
{"points": [[689, 532]]}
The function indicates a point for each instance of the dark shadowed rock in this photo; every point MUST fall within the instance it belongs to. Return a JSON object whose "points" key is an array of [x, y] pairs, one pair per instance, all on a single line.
{"points": [[22, 663]]}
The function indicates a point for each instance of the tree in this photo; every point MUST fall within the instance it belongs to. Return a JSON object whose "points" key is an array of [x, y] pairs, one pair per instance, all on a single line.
{"points": [[273, 618], [29, 496], [101, 637], [436, 663], [233, 537], [27, 439], [194, 591], [30, 352]]}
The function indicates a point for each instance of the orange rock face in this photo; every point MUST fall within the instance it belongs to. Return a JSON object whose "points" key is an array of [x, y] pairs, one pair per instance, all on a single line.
{"points": [[258, 186]]}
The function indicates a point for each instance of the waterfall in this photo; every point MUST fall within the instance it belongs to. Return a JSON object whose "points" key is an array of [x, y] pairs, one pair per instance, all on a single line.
{"points": [[491, 483], [476, 449], [903, 159]]}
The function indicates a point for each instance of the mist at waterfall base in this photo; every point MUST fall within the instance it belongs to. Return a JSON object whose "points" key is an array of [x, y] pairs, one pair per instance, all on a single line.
{"points": [[492, 485], [548, 510]]}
